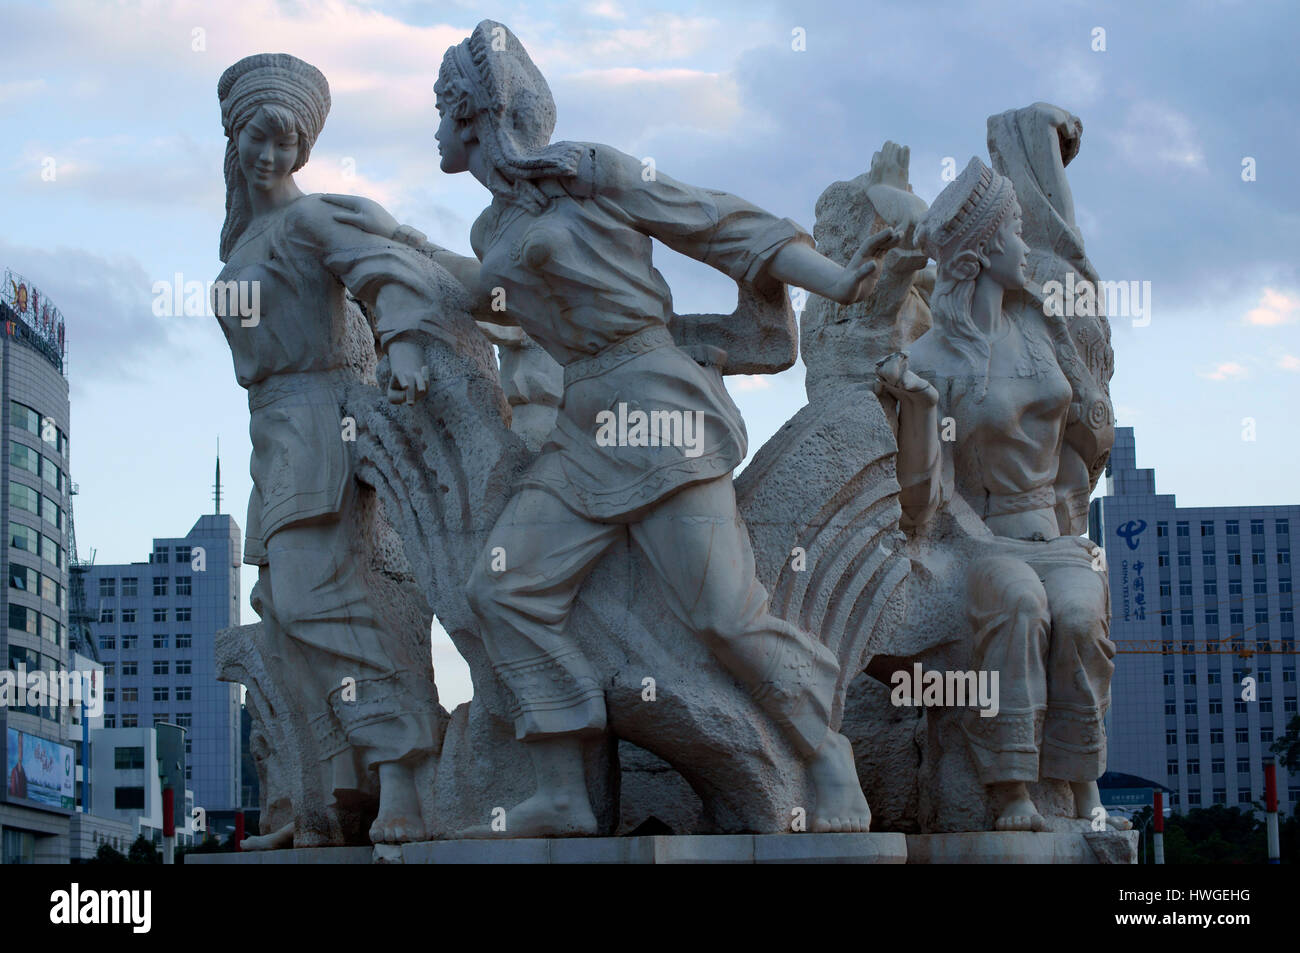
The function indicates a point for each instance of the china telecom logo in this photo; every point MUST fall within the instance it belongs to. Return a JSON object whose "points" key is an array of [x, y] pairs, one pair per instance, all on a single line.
{"points": [[1130, 532]]}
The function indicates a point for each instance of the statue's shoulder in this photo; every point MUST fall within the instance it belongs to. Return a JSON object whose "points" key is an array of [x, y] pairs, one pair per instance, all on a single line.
{"points": [[603, 169]]}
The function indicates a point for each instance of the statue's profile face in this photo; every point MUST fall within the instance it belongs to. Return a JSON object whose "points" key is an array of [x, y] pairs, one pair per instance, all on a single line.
{"points": [[1008, 265], [267, 152], [450, 145]]}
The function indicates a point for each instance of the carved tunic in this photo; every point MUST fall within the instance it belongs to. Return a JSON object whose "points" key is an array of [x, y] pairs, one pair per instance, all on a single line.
{"points": [[578, 277], [299, 347]]}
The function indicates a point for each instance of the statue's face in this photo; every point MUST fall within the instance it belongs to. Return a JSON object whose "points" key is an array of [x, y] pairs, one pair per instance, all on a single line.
{"points": [[1009, 266], [450, 145], [266, 153]]}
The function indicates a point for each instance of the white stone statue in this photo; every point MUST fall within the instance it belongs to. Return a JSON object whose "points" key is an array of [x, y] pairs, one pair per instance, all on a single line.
{"points": [[1036, 600], [365, 694]]}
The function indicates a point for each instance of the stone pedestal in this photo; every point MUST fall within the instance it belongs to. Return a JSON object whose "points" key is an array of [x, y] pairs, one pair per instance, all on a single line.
{"points": [[1022, 847]]}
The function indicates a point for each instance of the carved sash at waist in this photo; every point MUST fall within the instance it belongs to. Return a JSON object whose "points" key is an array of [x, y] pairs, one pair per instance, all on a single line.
{"points": [[1002, 504], [620, 352]]}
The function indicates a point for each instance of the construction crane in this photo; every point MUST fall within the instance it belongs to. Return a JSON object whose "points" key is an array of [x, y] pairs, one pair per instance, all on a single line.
{"points": [[79, 618]]}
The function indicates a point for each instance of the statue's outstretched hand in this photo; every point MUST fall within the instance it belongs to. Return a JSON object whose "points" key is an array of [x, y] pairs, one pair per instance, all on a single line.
{"points": [[894, 378], [851, 285], [410, 377], [363, 213]]}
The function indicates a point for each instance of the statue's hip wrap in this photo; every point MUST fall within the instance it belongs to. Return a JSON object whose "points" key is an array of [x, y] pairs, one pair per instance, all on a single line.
{"points": [[1040, 617]]}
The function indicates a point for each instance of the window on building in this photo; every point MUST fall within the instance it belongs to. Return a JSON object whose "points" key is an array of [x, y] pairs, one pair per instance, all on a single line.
{"points": [[184, 585], [159, 556], [185, 720], [128, 758], [1171, 767], [1260, 587], [1164, 590], [1288, 675], [1234, 587], [182, 554], [1185, 590], [1243, 766], [183, 667], [1166, 619], [1243, 795], [1207, 527], [1184, 559], [1243, 736], [105, 614], [106, 642], [107, 588], [160, 640], [183, 614], [130, 585], [1162, 530], [130, 695], [1189, 707], [1266, 734], [1284, 585], [128, 799], [1256, 527], [110, 721], [160, 693], [128, 615], [1216, 736], [1211, 616], [184, 640], [1239, 707], [109, 695], [1171, 736], [160, 615], [184, 693], [1234, 559], [1289, 706], [160, 585], [1216, 708], [1207, 559], [130, 641], [130, 668], [130, 720], [161, 667], [1284, 557], [1184, 529], [1210, 588], [1162, 560], [1169, 678], [1257, 559], [1232, 528], [1261, 616], [1193, 766], [23, 619], [1185, 618], [1171, 708], [162, 718]]}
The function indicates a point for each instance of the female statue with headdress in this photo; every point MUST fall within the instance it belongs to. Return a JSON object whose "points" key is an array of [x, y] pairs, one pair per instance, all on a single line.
{"points": [[1037, 603], [567, 241], [368, 717]]}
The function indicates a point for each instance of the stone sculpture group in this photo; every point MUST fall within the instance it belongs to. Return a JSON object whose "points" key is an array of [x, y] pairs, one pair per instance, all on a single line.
{"points": [[650, 640]]}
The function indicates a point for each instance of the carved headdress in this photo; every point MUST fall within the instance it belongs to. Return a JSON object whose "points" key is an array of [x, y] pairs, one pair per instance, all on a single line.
{"points": [[967, 212], [489, 76], [266, 79]]}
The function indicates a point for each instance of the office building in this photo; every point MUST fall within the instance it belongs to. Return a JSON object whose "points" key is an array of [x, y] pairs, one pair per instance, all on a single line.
{"points": [[1203, 617]]}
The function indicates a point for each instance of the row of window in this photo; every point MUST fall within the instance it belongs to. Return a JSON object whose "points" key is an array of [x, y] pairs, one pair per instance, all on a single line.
{"points": [[26, 498], [29, 541], [1216, 707], [26, 579], [160, 667], [1240, 735], [26, 418], [131, 586], [1234, 559], [109, 614], [1187, 617], [184, 640], [1211, 588], [161, 554], [184, 693], [1261, 677], [1281, 527], [36, 623], [132, 720]]}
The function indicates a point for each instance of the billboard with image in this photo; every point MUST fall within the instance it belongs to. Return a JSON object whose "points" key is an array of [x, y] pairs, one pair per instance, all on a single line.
{"points": [[39, 770]]}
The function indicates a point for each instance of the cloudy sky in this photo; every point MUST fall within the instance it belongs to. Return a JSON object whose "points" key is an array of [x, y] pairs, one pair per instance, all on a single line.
{"points": [[120, 101]]}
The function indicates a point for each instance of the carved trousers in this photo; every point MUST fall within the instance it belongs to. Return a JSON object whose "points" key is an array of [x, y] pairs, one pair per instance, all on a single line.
{"points": [[324, 630], [1042, 622], [699, 549]]}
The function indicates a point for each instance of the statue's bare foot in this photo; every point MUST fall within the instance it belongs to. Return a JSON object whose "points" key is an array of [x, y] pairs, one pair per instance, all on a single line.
{"points": [[399, 820], [545, 814], [1018, 812], [1087, 802], [276, 840], [841, 806]]}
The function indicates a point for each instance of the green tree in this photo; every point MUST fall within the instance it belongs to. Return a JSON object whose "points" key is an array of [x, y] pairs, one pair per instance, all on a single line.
{"points": [[1287, 748], [107, 855], [143, 852]]}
